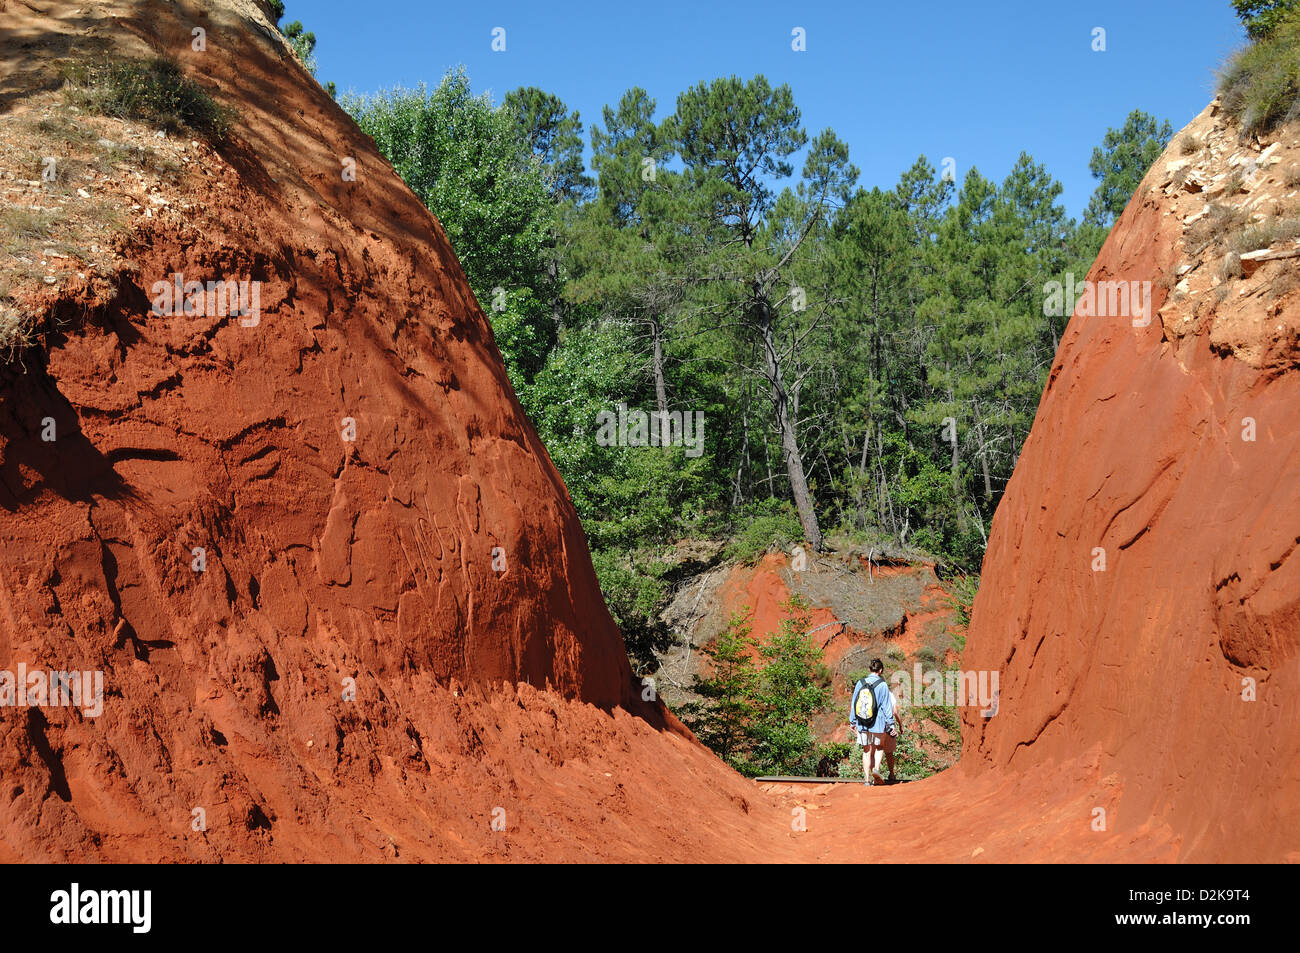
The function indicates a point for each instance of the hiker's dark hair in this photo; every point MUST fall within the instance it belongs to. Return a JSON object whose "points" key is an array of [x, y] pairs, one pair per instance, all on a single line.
{"points": [[876, 666]]}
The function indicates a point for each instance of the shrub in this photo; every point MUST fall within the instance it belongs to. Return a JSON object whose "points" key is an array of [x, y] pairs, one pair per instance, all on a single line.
{"points": [[834, 758], [153, 91], [1263, 234], [1261, 83], [1219, 221], [1261, 17], [721, 721], [789, 690], [758, 718], [634, 591], [767, 524]]}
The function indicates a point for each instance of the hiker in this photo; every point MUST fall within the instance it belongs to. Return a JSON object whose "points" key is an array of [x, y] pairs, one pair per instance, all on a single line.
{"points": [[872, 716]]}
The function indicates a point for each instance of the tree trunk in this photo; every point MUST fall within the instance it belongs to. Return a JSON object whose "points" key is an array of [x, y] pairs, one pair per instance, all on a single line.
{"points": [[743, 466], [661, 390], [557, 302], [803, 500], [956, 442], [956, 461], [984, 467]]}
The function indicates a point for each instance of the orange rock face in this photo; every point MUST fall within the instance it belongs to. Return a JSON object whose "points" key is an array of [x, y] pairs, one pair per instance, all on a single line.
{"points": [[1141, 591], [240, 519]]}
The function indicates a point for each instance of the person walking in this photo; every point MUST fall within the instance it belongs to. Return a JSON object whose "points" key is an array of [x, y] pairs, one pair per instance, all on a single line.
{"points": [[873, 717]]}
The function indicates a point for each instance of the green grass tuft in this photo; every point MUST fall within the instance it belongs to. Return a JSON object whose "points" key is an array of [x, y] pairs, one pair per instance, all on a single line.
{"points": [[152, 91]]}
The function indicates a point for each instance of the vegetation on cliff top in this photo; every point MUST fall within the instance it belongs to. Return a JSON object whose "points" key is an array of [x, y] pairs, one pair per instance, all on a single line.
{"points": [[1261, 83]]}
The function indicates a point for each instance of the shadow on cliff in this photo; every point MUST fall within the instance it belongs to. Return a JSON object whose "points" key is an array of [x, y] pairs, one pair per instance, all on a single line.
{"points": [[42, 447], [26, 57]]}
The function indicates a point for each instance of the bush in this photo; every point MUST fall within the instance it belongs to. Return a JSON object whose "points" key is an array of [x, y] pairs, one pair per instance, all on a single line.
{"points": [[766, 524], [759, 719], [721, 720], [27, 224], [834, 758], [916, 752], [789, 690], [524, 333], [1270, 231], [468, 163], [153, 91], [634, 591], [1261, 83], [1220, 221]]}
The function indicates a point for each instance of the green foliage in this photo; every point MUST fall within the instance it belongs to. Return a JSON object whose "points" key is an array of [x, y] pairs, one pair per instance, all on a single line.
{"points": [[892, 341], [960, 597], [921, 752], [758, 717], [791, 688], [764, 525], [555, 137], [1262, 17], [721, 721], [467, 162], [837, 756], [303, 42], [634, 588], [1261, 83], [153, 91], [300, 38], [1121, 161], [626, 496], [523, 331], [743, 247]]}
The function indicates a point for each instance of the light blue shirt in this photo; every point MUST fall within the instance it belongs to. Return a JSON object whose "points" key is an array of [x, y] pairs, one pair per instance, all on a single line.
{"points": [[884, 706]]}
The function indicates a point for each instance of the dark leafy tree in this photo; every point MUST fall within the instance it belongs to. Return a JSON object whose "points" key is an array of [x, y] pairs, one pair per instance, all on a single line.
{"points": [[1120, 162]]}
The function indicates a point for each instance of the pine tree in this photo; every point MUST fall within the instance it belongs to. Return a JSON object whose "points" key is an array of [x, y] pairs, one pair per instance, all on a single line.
{"points": [[789, 690], [722, 720], [1120, 162]]}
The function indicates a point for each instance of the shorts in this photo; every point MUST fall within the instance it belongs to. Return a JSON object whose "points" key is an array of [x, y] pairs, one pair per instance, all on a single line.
{"points": [[877, 739]]}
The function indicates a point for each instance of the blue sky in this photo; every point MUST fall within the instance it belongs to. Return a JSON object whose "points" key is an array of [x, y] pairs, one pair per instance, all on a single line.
{"points": [[976, 81]]}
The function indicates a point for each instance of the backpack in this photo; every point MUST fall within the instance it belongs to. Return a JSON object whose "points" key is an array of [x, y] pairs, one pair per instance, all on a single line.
{"points": [[865, 708]]}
